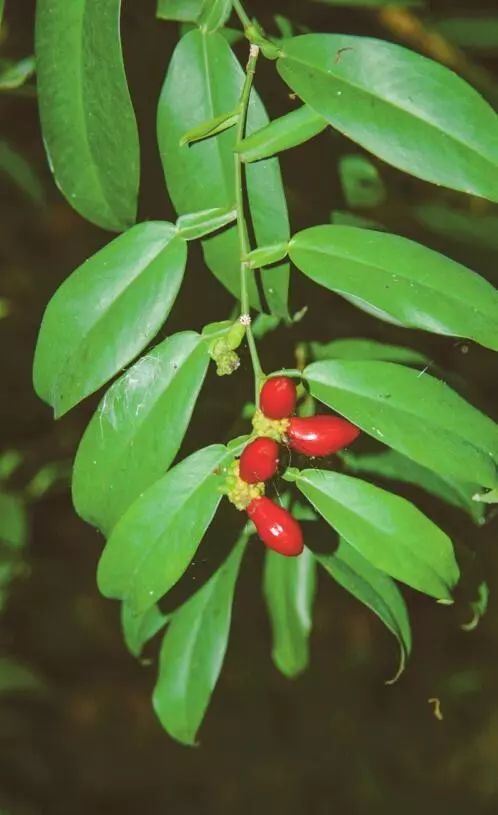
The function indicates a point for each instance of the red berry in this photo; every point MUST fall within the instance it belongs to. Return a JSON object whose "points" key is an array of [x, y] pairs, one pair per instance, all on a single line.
{"points": [[259, 460], [276, 527], [278, 396], [320, 435]]}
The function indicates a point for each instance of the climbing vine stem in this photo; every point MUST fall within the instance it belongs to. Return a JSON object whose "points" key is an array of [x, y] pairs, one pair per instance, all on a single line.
{"points": [[241, 220]]}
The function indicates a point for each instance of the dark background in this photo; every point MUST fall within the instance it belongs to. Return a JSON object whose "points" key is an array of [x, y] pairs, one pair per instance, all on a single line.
{"points": [[335, 740]]}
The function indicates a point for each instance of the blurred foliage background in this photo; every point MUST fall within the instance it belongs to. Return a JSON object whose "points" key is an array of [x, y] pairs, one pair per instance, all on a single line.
{"points": [[77, 733]]}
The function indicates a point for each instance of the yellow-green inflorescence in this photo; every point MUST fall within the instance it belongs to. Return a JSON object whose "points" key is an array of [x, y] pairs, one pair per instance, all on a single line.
{"points": [[271, 428], [239, 492]]}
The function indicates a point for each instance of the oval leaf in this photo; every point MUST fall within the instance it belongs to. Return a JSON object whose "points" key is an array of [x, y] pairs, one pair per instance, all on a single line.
{"points": [[204, 80], [290, 130], [361, 349], [388, 531], [137, 429], [410, 111], [414, 285], [87, 118], [360, 181], [214, 14], [394, 465], [413, 413], [183, 11], [289, 588], [138, 629], [197, 224], [106, 312], [193, 651], [155, 540], [375, 590]]}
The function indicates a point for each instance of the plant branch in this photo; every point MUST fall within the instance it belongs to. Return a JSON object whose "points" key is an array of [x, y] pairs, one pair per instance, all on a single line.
{"points": [[241, 220], [241, 14]]}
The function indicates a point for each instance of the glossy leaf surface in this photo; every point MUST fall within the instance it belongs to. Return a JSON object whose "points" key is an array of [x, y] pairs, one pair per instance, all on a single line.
{"points": [[360, 349], [404, 280], [204, 80], [153, 543], [393, 465], [374, 589], [106, 312], [138, 629], [412, 412], [289, 588], [388, 531], [214, 14], [87, 118], [422, 118], [186, 11], [290, 130], [193, 651], [137, 429], [360, 181]]}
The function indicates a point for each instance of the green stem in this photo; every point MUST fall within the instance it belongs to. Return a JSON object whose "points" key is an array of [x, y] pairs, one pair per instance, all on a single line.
{"points": [[241, 14], [241, 220]]}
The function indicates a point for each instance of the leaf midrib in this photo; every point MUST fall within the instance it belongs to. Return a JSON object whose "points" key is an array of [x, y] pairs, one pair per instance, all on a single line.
{"points": [[404, 409], [492, 162], [80, 97], [451, 295], [415, 554], [128, 595], [69, 360]]}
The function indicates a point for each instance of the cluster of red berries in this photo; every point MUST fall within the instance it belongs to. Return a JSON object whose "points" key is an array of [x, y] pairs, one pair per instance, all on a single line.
{"points": [[313, 436]]}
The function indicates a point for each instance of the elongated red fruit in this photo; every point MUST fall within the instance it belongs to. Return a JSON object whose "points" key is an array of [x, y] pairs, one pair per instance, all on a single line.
{"points": [[276, 527], [259, 460], [277, 399], [320, 435]]}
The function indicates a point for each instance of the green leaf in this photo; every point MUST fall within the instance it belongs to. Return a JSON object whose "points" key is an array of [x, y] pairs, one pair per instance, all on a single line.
{"points": [[412, 412], [361, 182], [480, 230], [360, 349], [388, 531], [20, 171], [13, 521], [410, 111], [15, 677], [375, 590], [477, 33], [290, 130], [264, 255], [341, 217], [15, 74], [214, 14], [106, 312], [490, 497], [197, 224], [478, 607], [179, 10], [138, 629], [401, 279], [87, 118], [289, 588], [138, 428], [264, 324], [153, 543], [10, 461], [210, 128], [371, 3], [204, 80], [193, 651], [391, 464]]}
